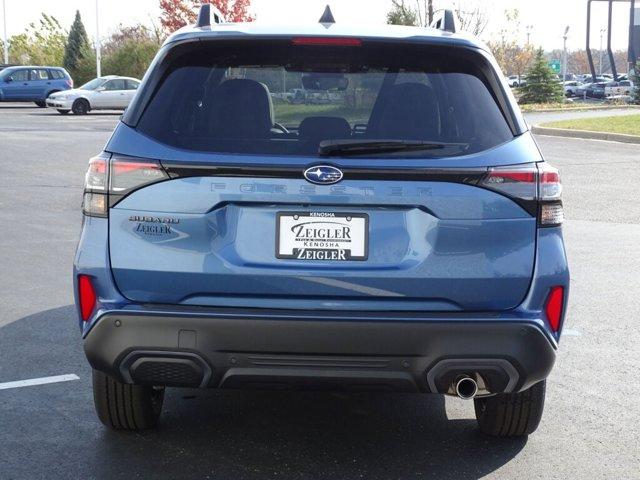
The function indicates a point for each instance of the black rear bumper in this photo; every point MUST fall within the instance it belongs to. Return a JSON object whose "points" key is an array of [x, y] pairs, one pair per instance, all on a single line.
{"points": [[313, 352]]}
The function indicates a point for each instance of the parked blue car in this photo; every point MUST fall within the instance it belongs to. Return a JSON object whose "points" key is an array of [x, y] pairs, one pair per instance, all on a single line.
{"points": [[400, 231], [32, 84]]}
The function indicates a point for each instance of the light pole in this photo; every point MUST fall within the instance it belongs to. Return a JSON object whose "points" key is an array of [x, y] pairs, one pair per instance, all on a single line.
{"points": [[5, 43], [98, 57], [529, 29], [564, 54], [602, 32]]}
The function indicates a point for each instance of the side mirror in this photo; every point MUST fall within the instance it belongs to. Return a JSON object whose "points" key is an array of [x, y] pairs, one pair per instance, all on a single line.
{"points": [[100, 89], [8, 80]]}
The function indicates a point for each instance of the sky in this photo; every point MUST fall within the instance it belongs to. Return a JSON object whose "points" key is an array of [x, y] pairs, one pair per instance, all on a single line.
{"points": [[547, 17]]}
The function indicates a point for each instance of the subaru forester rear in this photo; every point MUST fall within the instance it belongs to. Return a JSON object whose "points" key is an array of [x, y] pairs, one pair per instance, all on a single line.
{"points": [[322, 208]]}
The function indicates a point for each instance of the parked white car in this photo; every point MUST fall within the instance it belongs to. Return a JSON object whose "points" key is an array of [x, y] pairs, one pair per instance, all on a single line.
{"points": [[516, 81], [102, 93], [624, 87], [571, 88]]}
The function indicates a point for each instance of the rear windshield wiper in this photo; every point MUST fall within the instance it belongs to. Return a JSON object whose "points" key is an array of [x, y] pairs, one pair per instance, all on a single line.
{"points": [[373, 146]]}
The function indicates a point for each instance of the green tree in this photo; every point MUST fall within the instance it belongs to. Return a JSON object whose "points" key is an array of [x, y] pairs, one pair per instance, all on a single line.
{"points": [[401, 14], [86, 66], [130, 50], [542, 85], [635, 97], [77, 44], [127, 52], [40, 45]]}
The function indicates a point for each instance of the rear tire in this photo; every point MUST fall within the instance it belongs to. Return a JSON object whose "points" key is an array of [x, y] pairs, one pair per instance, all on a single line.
{"points": [[63, 112], [80, 107], [511, 414], [41, 104], [126, 407]]}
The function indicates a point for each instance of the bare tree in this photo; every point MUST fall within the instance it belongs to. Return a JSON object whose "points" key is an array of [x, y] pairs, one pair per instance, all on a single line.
{"points": [[510, 55], [472, 18], [424, 11]]}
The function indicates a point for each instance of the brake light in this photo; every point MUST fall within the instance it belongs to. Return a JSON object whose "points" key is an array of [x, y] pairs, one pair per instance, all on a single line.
{"points": [[109, 179], [69, 83], [550, 194], [86, 296], [533, 182], [128, 175], [514, 181], [94, 201], [554, 307], [328, 41]]}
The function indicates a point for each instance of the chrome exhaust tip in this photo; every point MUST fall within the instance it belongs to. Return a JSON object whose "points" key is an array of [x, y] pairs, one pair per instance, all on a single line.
{"points": [[466, 387]]}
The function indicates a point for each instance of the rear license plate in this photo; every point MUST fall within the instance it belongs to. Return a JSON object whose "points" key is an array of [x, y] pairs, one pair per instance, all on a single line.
{"points": [[324, 236]]}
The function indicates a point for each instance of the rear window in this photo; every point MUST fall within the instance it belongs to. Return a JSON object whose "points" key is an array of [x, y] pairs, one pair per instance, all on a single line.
{"points": [[279, 98], [57, 74]]}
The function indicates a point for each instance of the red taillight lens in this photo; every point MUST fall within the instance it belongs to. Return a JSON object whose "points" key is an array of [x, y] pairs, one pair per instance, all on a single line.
{"points": [[328, 41], [87, 296], [554, 307], [131, 174], [550, 185], [538, 182], [115, 178], [514, 181], [94, 202], [96, 176]]}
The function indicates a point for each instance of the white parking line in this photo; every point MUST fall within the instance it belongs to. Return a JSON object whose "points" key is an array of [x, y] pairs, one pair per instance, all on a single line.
{"points": [[570, 332], [38, 381]]}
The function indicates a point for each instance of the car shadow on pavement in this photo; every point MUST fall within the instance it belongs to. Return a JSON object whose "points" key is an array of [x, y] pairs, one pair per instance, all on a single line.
{"points": [[25, 106], [47, 113], [51, 430]]}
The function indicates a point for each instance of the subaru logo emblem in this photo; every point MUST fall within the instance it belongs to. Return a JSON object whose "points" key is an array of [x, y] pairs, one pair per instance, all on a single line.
{"points": [[323, 174]]}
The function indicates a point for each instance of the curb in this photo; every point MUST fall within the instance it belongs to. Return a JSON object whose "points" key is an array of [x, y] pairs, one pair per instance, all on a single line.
{"points": [[585, 134], [584, 109]]}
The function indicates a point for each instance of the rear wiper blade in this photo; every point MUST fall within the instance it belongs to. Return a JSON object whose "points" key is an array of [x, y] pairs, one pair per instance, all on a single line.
{"points": [[362, 147]]}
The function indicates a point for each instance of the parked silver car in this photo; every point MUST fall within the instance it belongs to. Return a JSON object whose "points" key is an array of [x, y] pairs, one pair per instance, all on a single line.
{"points": [[102, 93]]}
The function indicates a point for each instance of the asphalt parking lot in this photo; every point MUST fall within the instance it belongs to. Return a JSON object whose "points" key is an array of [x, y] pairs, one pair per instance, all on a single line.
{"points": [[591, 426]]}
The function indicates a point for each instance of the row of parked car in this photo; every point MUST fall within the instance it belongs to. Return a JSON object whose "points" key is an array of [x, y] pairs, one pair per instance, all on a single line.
{"points": [[602, 87], [53, 87]]}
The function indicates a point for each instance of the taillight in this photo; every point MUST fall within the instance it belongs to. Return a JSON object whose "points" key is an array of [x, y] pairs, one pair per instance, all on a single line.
{"points": [[550, 196], [517, 181], [529, 183], [95, 199], [70, 83], [86, 296], [554, 307], [328, 41], [128, 175], [108, 180]]}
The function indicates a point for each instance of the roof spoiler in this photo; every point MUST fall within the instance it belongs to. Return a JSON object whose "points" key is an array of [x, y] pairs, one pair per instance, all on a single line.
{"points": [[445, 21], [207, 13]]}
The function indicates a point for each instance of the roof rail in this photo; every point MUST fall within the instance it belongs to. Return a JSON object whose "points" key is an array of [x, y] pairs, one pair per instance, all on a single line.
{"points": [[207, 13], [446, 21], [327, 16]]}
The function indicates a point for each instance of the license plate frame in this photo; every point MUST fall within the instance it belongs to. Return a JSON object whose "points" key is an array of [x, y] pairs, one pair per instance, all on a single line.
{"points": [[293, 245]]}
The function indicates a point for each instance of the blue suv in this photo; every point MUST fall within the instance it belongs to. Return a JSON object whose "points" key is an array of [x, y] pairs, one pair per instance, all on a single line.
{"points": [[393, 227], [32, 84]]}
